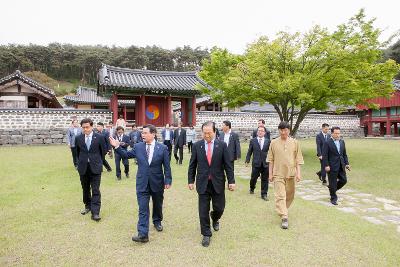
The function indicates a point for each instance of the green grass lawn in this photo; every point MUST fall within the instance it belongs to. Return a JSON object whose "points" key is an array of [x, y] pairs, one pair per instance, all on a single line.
{"points": [[40, 201]]}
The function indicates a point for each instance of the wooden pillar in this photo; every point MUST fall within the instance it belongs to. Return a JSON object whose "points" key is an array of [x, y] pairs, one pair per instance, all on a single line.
{"points": [[194, 110], [388, 123], [137, 110], [169, 110], [114, 107], [369, 120], [184, 111], [143, 110], [124, 109]]}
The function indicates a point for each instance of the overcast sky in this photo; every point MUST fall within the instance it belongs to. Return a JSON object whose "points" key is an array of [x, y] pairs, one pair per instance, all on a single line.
{"points": [[171, 23]]}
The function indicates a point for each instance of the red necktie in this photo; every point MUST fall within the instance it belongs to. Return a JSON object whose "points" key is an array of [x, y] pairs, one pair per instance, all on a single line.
{"points": [[209, 153]]}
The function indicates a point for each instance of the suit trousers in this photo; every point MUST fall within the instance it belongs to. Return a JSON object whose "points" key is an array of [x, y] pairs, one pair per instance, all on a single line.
{"points": [[190, 145], [255, 173], [143, 199], [322, 172], [74, 156], [180, 153], [284, 195], [118, 159], [337, 179], [218, 204], [169, 146], [92, 200]]}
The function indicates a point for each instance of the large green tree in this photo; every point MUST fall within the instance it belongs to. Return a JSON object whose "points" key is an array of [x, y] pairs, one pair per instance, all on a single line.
{"points": [[300, 72]]}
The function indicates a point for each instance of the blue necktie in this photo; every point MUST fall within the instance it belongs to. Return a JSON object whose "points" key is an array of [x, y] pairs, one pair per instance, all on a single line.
{"points": [[88, 141], [337, 146]]}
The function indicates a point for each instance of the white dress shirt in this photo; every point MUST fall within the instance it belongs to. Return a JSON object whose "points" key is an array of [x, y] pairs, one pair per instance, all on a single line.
{"points": [[227, 136], [152, 146], [167, 134], [261, 142]]}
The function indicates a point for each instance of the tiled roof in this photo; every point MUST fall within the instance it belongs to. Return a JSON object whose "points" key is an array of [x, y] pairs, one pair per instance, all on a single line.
{"points": [[18, 75], [85, 95], [158, 82]]}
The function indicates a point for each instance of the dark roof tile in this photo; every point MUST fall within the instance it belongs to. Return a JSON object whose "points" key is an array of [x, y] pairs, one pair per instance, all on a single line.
{"points": [[85, 95], [178, 82]]}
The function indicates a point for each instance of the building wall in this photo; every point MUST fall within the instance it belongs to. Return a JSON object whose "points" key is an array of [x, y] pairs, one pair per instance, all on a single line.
{"points": [[245, 122], [42, 126], [49, 126]]}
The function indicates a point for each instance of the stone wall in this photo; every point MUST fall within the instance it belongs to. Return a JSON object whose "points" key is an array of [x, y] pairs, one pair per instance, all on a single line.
{"points": [[245, 122], [42, 126], [48, 126]]}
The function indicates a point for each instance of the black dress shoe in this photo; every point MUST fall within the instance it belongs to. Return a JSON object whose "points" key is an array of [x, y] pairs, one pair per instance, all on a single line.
{"points": [[127, 175], [158, 227], [334, 202], [109, 170], [140, 239], [96, 217], [206, 241], [215, 225], [324, 183], [118, 178], [319, 175], [264, 197], [85, 211], [251, 192]]}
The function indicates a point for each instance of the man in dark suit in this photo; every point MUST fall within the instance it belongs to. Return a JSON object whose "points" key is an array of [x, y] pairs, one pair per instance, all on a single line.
{"points": [[72, 133], [261, 122], [168, 138], [232, 141], [124, 143], [179, 143], [90, 152], [335, 161], [151, 180], [320, 139], [259, 147], [135, 136], [107, 148], [209, 160]]}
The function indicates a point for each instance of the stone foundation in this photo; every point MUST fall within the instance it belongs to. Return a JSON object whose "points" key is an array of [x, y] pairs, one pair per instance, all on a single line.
{"points": [[49, 126]]}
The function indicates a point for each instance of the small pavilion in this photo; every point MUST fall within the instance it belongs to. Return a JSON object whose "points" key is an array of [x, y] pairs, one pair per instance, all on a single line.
{"points": [[153, 92], [383, 121]]}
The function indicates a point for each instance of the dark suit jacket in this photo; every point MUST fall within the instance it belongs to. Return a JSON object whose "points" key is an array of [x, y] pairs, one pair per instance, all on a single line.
{"points": [[180, 140], [171, 135], [233, 146], [125, 139], [95, 154], [259, 155], [135, 135], [331, 157], [320, 140], [267, 133], [152, 174], [199, 170], [106, 136]]}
